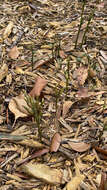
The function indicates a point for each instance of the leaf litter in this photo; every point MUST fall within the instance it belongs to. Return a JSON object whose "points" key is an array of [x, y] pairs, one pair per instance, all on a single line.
{"points": [[63, 144]]}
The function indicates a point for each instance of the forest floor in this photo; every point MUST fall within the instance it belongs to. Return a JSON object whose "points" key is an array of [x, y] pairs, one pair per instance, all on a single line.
{"points": [[53, 95]]}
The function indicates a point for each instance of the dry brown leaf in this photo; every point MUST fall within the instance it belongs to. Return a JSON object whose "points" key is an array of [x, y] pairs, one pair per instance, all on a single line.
{"points": [[40, 153], [40, 83], [8, 30], [35, 155], [81, 75], [3, 72], [14, 53], [43, 62], [103, 183], [100, 150], [79, 146], [56, 140], [43, 172], [23, 63], [82, 93], [62, 54], [16, 106], [66, 107]]}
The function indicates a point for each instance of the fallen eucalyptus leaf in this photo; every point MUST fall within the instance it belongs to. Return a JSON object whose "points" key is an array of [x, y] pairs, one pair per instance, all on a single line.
{"points": [[66, 107], [14, 53], [35, 155], [43, 172], [82, 93], [40, 83], [79, 146], [16, 106], [81, 75], [56, 140]]}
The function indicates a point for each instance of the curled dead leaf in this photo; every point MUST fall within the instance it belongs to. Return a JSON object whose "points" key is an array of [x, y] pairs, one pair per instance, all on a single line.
{"points": [[40, 83], [81, 75], [82, 93], [55, 143], [17, 106], [14, 53], [43, 62], [66, 107], [79, 146]]}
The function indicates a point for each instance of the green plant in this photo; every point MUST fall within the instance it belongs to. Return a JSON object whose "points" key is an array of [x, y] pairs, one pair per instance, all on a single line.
{"points": [[35, 109], [87, 27], [81, 22], [56, 47]]}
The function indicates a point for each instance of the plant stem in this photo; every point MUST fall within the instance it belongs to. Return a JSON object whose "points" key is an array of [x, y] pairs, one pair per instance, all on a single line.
{"points": [[32, 59], [87, 27], [81, 22], [35, 109], [67, 75]]}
